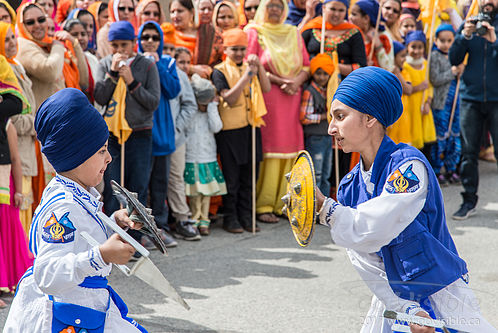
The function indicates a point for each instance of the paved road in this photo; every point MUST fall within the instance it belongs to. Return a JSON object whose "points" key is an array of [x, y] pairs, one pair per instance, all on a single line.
{"points": [[266, 283]]}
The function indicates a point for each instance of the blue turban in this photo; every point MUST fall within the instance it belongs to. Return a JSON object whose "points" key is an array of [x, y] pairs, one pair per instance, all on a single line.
{"points": [[345, 2], [70, 129], [398, 47], [374, 91], [416, 35], [445, 27], [371, 8], [121, 30]]}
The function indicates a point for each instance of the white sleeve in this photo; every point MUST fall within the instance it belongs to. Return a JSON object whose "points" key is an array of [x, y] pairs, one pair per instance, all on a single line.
{"points": [[376, 222], [62, 265], [371, 270]]}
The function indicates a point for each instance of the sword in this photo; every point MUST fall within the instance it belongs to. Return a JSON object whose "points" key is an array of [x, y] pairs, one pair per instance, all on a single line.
{"points": [[415, 320], [144, 268]]}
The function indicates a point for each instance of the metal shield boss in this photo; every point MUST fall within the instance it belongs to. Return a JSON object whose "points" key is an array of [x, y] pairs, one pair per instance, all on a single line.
{"points": [[300, 200]]}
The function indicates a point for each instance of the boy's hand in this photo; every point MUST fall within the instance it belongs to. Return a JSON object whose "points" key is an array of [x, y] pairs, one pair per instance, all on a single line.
{"points": [[426, 109], [116, 59], [253, 60], [152, 55], [116, 251], [123, 220], [125, 73], [422, 329]]}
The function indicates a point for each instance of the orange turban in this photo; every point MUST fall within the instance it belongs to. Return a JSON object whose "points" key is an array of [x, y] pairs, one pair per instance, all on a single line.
{"points": [[234, 37], [169, 33], [322, 61]]}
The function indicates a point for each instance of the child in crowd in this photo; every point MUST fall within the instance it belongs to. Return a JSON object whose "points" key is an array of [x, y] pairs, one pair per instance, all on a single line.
{"points": [[150, 43], [240, 85], [407, 23], [183, 109], [203, 177], [446, 152], [183, 59], [67, 289], [136, 77], [400, 131], [422, 123], [313, 116]]}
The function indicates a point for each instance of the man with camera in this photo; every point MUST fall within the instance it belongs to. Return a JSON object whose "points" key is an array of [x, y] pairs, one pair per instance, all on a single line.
{"points": [[479, 95]]}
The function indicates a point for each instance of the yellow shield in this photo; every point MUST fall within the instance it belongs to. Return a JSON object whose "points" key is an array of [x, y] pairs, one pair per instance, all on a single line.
{"points": [[300, 200]]}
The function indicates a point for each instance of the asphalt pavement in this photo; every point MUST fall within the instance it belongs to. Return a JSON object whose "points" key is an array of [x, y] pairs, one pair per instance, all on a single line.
{"points": [[267, 283]]}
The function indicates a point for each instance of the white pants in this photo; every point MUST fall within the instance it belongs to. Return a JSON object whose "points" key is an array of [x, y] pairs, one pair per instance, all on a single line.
{"points": [[456, 305]]}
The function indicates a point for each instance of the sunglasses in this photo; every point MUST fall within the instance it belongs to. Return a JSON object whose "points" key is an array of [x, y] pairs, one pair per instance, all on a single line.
{"points": [[155, 38], [40, 20], [395, 11], [122, 9], [251, 8], [155, 14]]}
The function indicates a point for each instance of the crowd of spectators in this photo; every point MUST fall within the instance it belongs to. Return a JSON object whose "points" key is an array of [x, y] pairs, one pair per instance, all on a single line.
{"points": [[221, 92]]}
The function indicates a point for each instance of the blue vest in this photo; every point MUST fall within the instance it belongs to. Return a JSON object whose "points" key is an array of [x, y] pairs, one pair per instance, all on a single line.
{"points": [[423, 258]]}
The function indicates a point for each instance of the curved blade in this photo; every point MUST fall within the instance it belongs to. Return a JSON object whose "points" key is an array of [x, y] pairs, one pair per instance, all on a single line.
{"points": [[146, 271], [149, 225]]}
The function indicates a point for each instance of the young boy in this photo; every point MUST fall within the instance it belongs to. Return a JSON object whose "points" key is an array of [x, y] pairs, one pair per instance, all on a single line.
{"points": [[150, 44], [443, 79], [66, 288], [313, 116], [390, 214], [240, 84], [142, 99]]}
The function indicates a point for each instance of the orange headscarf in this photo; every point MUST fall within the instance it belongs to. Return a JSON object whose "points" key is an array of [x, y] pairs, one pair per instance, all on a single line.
{"points": [[316, 23], [322, 61], [114, 14], [144, 3], [64, 7], [94, 9], [4, 27], [169, 33], [180, 39], [234, 37], [70, 69], [242, 14]]}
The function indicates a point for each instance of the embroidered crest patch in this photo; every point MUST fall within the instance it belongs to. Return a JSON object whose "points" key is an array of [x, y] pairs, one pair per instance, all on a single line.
{"points": [[406, 182], [58, 230]]}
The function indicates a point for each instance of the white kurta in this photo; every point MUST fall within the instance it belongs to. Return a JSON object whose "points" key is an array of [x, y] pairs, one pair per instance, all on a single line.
{"points": [[364, 230], [60, 266]]}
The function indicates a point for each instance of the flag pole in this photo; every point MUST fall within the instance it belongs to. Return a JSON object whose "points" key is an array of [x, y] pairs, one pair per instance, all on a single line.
{"points": [[122, 173], [253, 169], [457, 88], [376, 33]]}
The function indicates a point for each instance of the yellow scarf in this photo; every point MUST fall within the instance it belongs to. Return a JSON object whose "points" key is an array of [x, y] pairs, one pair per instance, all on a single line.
{"points": [[281, 41], [115, 114], [232, 74]]}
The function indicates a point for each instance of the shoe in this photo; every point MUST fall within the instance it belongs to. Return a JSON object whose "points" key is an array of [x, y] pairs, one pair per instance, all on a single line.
{"points": [[147, 243], [442, 180], [233, 227], [186, 230], [453, 178], [204, 227], [246, 223], [167, 239], [466, 210]]}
